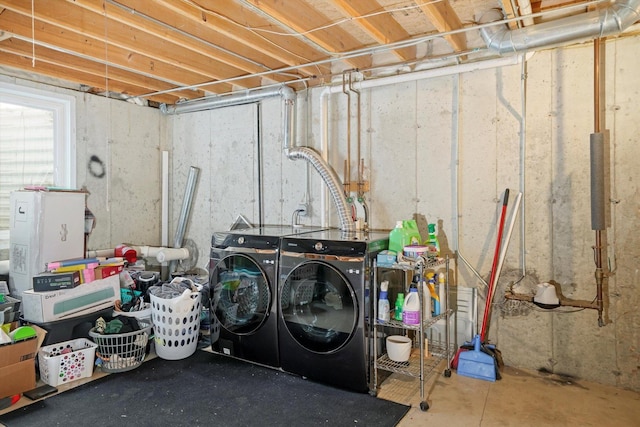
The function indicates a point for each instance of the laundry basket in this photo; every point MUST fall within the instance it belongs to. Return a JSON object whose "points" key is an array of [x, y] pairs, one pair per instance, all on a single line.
{"points": [[122, 352], [176, 318], [66, 361]]}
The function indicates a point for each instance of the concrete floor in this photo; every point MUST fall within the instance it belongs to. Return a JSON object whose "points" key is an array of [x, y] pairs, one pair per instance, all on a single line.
{"points": [[521, 398]]}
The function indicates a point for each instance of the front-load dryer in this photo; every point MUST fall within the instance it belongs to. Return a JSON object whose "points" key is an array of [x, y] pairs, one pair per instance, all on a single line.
{"points": [[324, 309], [243, 284]]}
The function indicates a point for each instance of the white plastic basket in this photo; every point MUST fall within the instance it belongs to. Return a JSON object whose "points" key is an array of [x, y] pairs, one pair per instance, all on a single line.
{"points": [[66, 361], [122, 352], [176, 325]]}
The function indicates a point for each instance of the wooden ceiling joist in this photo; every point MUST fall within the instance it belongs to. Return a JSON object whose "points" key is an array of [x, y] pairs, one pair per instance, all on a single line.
{"points": [[22, 48], [128, 38], [98, 84], [445, 19], [382, 27], [308, 23], [234, 34]]}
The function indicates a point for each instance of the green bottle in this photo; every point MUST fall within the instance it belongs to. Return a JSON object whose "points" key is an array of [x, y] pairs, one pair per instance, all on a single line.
{"points": [[432, 242], [397, 315]]}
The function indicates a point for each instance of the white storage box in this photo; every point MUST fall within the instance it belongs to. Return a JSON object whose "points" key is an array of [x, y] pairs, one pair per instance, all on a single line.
{"points": [[39, 307], [66, 361], [44, 226]]}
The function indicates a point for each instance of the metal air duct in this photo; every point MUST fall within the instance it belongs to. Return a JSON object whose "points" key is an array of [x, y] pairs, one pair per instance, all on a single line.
{"points": [[596, 24]]}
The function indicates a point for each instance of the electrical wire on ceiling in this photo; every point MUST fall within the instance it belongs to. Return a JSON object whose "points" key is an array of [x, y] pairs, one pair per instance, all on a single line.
{"points": [[343, 21], [185, 34], [33, 34], [372, 50], [248, 28]]}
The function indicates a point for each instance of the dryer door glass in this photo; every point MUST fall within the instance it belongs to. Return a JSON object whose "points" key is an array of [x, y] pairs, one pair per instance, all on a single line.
{"points": [[318, 307], [241, 295]]}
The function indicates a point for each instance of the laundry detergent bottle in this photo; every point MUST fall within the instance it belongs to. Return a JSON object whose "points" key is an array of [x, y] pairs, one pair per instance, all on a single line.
{"points": [[384, 310], [411, 308], [397, 238]]}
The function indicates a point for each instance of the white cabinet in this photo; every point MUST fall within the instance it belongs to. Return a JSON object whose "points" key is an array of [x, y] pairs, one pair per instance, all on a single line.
{"points": [[44, 226]]}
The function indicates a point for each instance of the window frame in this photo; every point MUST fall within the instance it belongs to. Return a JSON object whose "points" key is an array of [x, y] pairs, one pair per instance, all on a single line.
{"points": [[63, 108]]}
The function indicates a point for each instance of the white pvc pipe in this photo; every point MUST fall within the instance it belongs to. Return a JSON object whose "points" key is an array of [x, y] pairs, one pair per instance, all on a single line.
{"points": [[172, 254], [503, 248], [106, 253], [431, 73], [4, 266], [525, 9], [160, 253], [164, 239]]}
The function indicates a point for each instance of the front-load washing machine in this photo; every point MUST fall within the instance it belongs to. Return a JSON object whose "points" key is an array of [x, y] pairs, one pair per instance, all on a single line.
{"points": [[323, 323], [243, 284]]}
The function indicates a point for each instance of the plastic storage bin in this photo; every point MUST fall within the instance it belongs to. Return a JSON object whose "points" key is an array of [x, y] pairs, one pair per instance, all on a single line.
{"points": [[66, 361], [176, 323], [122, 352]]}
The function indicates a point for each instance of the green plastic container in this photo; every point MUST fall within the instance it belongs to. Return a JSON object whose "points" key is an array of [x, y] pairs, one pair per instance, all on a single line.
{"points": [[411, 228], [397, 238]]}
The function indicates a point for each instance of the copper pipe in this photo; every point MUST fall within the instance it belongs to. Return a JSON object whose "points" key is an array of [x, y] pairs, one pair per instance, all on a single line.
{"points": [[347, 178], [599, 274], [596, 85]]}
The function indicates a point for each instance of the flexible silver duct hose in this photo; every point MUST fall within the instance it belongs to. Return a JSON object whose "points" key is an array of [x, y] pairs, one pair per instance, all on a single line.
{"points": [[330, 178], [596, 24]]}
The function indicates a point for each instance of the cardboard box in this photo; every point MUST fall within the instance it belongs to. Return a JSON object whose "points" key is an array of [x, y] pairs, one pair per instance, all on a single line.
{"points": [[42, 307], [17, 365], [44, 226], [45, 282], [103, 272]]}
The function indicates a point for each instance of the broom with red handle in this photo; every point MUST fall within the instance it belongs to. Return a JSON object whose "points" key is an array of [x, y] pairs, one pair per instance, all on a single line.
{"points": [[487, 305]]}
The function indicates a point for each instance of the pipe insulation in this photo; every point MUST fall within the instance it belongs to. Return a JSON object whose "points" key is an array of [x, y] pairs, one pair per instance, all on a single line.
{"points": [[598, 220], [599, 23]]}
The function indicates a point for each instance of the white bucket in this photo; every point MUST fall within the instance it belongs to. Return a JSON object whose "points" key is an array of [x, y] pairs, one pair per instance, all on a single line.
{"points": [[176, 324]]}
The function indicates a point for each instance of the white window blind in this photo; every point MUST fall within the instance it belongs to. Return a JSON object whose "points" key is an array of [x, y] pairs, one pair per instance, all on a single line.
{"points": [[37, 145]]}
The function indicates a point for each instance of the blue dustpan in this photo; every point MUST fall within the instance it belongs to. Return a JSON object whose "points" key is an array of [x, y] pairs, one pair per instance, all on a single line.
{"points": [[477, 364]]}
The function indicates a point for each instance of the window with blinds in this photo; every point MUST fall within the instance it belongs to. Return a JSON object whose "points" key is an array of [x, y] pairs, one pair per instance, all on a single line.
{"points": [[36, 145]]}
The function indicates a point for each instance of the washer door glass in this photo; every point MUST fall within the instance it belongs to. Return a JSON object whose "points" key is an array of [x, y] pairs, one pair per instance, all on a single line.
{"points": [[241, 295], [318, 307]]}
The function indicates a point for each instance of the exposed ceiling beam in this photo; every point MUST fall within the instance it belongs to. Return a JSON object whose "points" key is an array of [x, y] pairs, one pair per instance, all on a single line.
{"points": [[88, 47], [231, 26], [382, 27], [510, 12], [445, 19], [98, 83], [88, 24], [126, 78], [305, 20]]}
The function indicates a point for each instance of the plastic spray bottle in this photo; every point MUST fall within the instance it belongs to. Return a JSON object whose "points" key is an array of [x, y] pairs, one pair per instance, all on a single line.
{"points": [[398, 307], [384, 311], [432, 241], [435, 299]]}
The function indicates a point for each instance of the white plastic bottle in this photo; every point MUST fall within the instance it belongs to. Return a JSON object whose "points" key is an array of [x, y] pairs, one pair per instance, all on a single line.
{"points": [[442, 291], [384, 309], [411, 309]]}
